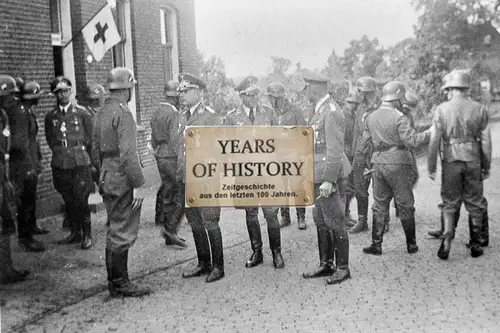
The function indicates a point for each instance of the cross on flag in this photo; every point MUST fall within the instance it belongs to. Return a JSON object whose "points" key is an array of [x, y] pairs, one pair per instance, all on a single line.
{"points": [[101, 33]]}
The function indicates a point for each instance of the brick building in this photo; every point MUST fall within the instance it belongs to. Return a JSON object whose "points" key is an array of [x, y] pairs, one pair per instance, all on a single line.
{"points": [[40, 39]]}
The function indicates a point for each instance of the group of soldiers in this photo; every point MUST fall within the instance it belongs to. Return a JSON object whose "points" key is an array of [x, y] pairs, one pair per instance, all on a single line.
{"points": [[366, 140]]}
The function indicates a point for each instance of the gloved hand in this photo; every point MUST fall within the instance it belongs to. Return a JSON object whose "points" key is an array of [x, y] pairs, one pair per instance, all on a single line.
{"points": [[326, 189]]}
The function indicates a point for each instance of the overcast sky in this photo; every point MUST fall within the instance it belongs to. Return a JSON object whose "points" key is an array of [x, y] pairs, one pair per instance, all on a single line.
{"points": [[246, 33]]}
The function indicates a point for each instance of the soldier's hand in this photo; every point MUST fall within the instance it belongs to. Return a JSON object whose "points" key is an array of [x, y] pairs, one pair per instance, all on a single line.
{"points": [[485, 174], [137, 204], [326, 189], [9, 189], [432, 175], [367, 173]]}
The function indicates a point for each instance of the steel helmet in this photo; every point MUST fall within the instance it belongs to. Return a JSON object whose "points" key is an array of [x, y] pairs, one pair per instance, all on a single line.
{"points": [[366, 84], [394, 91], [171, 88], [353, 97], [7, 85], [411, 100], [458, 79], [59, 83], [31, 90], [276, 89], [121, 78], [95, 91]]}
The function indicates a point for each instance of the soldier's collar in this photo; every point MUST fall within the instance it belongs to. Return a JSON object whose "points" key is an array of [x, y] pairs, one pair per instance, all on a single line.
{"points": [[321, 102], [194, 108]]}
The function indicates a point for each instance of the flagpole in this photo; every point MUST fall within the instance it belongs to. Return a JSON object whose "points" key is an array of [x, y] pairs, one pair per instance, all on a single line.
{"points": [[79, 31]]}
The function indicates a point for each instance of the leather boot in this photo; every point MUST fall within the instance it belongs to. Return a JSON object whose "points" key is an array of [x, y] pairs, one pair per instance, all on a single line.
{"points": [[67, 223], [475, 236], [341, 259], [216, 246], [485, 230], [326, 266], [87, 233], [301, 218], [411, 239], [7, 272], [362, 224], [203, 250], [159, 212], [285, 217], [253, 228], [171, 224], [275, 245], [29, 244], [448, 235], [120, 283], [74, 237], [377, 237]]}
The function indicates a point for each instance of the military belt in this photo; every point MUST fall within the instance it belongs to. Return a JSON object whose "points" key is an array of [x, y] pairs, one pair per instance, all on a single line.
{"points": [[110, 154], [459, 141], [389, 148], [66, 144]]}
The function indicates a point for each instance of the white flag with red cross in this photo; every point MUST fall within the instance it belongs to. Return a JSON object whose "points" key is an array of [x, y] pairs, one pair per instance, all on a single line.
{"points": [[101, 33]]}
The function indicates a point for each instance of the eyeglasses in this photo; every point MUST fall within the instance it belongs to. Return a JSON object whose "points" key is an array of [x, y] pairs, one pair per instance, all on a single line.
{"points": [[63, 91]]}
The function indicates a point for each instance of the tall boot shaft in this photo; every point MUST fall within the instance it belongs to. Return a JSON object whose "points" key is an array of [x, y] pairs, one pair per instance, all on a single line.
{"points": [[254, 233], [7, 272], [378, 230], [202, 245], [362, 205], [485, 230], [475, 236], [341, 250], [120, 283], [275, 245], [411, 238], [216, 246], [301, 213], [159, 212], [325, 249]]}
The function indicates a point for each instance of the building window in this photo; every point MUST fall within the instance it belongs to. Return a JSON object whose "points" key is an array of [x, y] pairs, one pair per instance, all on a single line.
{"points": [[169, 41], [118, 9], [62, 49]]}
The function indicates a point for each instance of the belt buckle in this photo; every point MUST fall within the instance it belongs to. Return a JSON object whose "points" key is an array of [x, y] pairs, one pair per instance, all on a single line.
{"points": [[64, 143]]}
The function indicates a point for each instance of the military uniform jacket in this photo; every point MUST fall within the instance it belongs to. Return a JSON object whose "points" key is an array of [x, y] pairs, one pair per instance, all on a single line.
{"points": [[349, 121], [361, 115], [19, 121], [34, 145], [264, 116], [330, 161], [69, 136], [461, 133], [388, 131], [165, 131], [202, 115], [291, 115], [115, 141], [4, 143]]}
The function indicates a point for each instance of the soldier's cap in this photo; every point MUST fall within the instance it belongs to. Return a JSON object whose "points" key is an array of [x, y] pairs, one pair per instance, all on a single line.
{"points": [[276, 89], [31, 90], [190, 81], [248, 85], [171, 88], [95, 91], [60, 83], [311, 78]]}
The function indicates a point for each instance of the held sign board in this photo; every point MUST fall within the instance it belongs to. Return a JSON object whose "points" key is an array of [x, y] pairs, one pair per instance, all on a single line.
{"points": [[249, 166]]}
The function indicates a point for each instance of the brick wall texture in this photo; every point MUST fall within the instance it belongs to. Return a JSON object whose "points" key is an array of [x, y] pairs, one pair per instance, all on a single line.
{"points": [[26, 51]]}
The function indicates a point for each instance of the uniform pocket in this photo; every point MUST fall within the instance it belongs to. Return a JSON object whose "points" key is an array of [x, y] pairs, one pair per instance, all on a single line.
{"points": [[113, 183]]}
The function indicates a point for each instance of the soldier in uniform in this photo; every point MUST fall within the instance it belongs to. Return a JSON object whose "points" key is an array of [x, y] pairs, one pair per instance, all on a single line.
{"points": [[464, 140], [165, 143], [388, 131], [30, 95], [367, 88], [68, 130], [350, 112], [287, 115], [115, 149], [7, 100], [251, 113], [204, 222], [95, 98], [331, 168]]}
